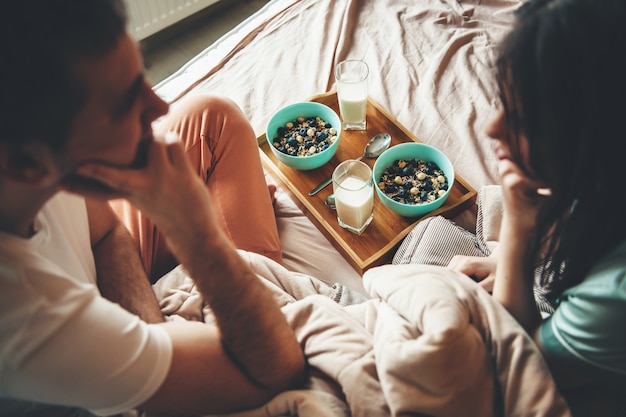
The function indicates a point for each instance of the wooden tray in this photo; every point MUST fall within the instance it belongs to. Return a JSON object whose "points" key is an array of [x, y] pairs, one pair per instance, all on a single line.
{"points": [[382, 237]]}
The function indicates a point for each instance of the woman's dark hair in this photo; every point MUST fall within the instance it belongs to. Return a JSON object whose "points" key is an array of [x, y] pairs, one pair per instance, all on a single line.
{"points": [[40, 40], [562, 77]]}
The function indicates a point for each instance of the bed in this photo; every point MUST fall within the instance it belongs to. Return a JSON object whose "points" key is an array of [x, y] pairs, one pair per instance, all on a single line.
{"points": [[431, 68], [430, 64]]}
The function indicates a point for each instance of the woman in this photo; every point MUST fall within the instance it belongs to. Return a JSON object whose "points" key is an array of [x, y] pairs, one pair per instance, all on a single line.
{"points": [[558, 135]]}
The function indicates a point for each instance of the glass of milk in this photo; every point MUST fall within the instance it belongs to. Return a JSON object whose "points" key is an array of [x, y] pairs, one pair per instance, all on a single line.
{"points": [[351, 78], [353, 186]]}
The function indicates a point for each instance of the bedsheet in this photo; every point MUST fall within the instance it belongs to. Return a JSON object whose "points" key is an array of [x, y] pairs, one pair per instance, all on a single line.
{"points": [[431, 67]]}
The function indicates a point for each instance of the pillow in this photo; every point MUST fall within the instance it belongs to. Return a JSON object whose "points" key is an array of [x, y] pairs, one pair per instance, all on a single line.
{"points": [[435, 240]]}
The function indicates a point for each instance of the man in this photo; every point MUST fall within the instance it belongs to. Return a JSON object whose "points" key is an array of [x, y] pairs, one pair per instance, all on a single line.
{"points": [[75, 298]]}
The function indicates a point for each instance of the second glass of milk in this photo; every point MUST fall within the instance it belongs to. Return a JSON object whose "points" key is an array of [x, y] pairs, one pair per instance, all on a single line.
{"points": [[353, 186], [351, 76]]}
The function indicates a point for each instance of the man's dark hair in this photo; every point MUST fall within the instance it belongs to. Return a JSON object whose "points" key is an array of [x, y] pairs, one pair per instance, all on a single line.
{"points": [[40, 41]]}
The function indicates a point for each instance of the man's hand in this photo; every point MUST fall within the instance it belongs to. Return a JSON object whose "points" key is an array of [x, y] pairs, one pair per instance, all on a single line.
{"points": [[166, 189], [253, 354]]}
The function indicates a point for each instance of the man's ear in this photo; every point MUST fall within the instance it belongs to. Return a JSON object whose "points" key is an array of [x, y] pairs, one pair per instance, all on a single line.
{"points": [[30, 164]]}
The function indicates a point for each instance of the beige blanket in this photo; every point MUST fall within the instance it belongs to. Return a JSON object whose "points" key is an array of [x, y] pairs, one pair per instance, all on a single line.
{"points": [[428, 342]]}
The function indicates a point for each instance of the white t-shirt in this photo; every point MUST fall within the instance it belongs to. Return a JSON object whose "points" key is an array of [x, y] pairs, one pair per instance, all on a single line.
{"points": [[61, 342]]}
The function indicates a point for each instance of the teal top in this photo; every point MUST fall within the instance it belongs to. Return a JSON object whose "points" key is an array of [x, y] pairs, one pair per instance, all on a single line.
{"points": [[588, 327]]}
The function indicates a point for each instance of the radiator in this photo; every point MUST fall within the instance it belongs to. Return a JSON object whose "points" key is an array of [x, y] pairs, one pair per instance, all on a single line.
{"points": [[147, 17]]}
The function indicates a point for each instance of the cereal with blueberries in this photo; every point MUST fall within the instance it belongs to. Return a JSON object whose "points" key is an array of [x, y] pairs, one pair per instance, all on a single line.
{"points": [[413, 181], [304, 136]]}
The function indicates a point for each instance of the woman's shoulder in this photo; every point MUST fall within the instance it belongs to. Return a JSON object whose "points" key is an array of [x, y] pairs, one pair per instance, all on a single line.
{"points": [[607, 278], [599, 301], [588, 323]]}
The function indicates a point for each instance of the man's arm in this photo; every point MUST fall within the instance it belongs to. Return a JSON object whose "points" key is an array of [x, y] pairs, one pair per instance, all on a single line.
{"points": [[250, 357], [120, 272], [253, 354]]}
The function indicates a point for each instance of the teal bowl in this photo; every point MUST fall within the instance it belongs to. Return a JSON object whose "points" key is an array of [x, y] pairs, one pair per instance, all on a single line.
{"points": [[406, 151], [290, 113]]}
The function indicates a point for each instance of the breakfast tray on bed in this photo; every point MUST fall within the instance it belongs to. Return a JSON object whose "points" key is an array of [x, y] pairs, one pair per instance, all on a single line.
{"points": [[385, 233]]}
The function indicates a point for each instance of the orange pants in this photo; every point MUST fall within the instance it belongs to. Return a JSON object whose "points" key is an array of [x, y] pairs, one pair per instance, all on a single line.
{"points": [[222, 146]]}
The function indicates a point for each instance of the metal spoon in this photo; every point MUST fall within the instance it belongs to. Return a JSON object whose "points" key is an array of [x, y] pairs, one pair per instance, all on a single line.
{"points": [[376, 146], [330, 202]]}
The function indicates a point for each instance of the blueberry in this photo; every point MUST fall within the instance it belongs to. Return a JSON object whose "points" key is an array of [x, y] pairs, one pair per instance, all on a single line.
{"points": [[322, 135], [431, 167], [292, 142], [303, 131]]}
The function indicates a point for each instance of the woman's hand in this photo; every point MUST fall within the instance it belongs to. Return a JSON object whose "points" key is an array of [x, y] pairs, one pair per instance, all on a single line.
{"points": [[522, 196], [481, 269], [513, 284]]}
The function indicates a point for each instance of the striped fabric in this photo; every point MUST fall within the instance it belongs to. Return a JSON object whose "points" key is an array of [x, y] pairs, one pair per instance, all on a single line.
{"points": [[435, 240]]}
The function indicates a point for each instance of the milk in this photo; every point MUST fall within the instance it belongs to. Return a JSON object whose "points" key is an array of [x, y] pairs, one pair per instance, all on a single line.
{"points": [[352, 103], [351, 76], [355, 202]]}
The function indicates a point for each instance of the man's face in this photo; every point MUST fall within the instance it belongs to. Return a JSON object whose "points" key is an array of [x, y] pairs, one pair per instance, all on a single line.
{"points": [[114, 125]]}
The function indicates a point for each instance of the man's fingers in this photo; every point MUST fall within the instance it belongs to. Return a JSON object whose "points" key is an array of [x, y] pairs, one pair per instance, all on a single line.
{"points": [[89, 187], [116, 178], [127, 179]]}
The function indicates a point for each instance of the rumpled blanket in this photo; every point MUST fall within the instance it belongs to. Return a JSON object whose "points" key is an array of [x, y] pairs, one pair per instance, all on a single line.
{"points": [[429, 341]]}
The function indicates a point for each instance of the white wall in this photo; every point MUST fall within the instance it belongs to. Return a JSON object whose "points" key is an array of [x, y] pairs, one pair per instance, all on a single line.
{"points": [[147, 17]]}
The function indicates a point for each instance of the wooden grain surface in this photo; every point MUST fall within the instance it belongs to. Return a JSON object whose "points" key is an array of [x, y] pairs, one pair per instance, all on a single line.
{"points": [[382, 237]]}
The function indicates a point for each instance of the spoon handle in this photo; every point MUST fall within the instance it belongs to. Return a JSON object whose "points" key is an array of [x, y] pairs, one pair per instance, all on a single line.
{"points": [[327, 181], [321, 186]]}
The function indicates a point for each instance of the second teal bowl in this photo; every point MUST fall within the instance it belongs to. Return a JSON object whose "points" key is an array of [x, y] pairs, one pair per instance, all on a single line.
{"points": [[412, 150]]}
